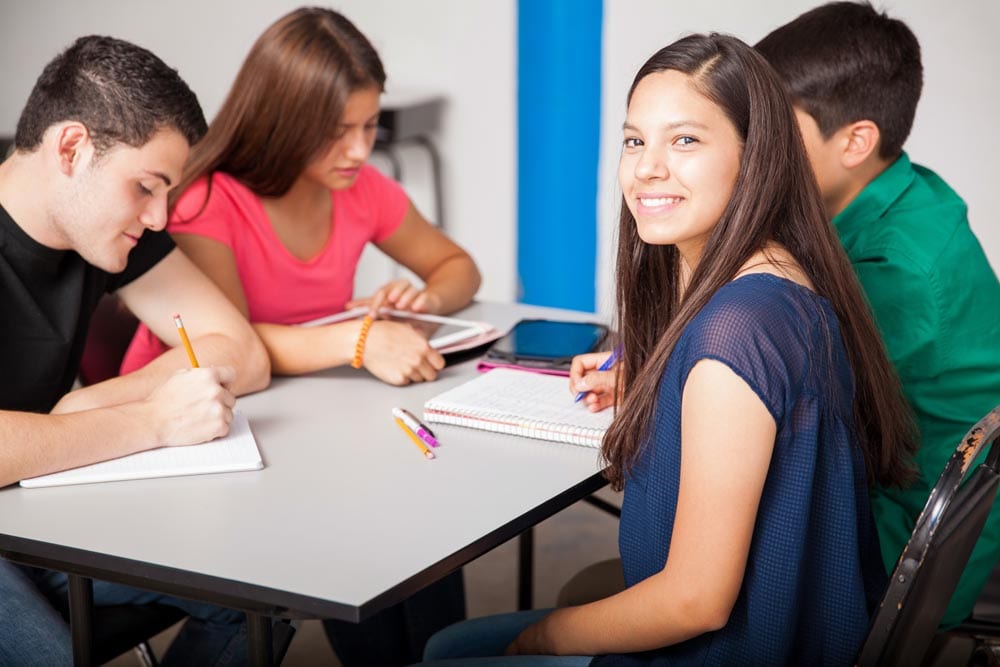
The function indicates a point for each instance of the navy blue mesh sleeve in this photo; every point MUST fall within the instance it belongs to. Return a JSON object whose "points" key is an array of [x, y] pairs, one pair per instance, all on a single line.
{"points": [[771, 339]]}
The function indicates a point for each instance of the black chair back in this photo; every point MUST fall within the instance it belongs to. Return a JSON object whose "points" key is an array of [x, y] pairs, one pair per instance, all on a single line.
{"points": [[929, 568]]}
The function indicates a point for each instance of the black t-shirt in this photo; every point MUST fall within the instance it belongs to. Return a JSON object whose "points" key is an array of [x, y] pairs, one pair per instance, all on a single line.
{"points": [[46, 299]]}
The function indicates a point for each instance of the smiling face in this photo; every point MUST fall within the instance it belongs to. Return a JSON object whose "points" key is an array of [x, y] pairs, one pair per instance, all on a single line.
{"points": [[111, 200], [337, 167], [679, 162]]}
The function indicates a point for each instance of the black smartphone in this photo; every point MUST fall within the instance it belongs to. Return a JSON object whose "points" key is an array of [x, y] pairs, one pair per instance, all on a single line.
{"points": [[547, 343]]}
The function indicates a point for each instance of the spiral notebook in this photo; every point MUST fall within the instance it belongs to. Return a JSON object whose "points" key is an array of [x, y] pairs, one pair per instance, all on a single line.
{"points": [[520, 403], [234, 452]]}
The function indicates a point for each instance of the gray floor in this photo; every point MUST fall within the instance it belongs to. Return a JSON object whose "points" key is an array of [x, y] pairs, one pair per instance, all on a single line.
{"points": [[574, 538]]}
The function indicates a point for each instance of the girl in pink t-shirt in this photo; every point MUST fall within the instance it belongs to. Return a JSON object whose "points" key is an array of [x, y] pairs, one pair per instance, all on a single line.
{"points": [[276, 205]]}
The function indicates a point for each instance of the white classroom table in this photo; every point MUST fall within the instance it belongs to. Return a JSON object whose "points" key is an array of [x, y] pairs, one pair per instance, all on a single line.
{"points": [[347, 518]]}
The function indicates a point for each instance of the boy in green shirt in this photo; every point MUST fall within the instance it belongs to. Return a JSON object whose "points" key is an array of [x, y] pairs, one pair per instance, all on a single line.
{"points": [[855, 78]]}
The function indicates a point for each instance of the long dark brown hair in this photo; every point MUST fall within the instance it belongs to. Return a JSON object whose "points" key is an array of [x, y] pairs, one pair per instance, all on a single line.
{"points": [[286, 103], [775, 199]]}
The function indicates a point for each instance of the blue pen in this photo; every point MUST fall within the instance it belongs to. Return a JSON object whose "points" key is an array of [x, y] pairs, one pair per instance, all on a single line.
{"points": [[606, 366]]}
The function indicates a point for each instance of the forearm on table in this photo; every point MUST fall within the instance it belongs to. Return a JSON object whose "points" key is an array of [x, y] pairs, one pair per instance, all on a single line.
{"points": [[295, 350], [37, 444], [249, 361], [247, 358]]}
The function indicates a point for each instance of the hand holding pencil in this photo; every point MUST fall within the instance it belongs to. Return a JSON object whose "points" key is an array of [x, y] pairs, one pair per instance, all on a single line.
{"points": [[592, 378], [192, 406]]}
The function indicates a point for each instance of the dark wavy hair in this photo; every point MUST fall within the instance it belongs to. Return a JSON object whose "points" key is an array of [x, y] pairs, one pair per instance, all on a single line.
{"points": [[121, 92], [287, 101], [775, 199]]}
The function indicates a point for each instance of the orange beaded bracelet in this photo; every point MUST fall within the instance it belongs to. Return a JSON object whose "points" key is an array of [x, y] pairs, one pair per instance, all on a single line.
{"points": [[359, 347]]}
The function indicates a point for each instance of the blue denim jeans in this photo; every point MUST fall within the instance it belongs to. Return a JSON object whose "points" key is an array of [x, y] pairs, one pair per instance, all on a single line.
{"points": [[33, 629], [480, 642]]}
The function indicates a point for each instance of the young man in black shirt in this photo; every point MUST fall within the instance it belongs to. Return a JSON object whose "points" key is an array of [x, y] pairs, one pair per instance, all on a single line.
{"points": [[83, 203]]}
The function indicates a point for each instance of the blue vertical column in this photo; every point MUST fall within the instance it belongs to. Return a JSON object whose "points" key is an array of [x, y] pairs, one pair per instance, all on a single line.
{"points": [[558, 116]]}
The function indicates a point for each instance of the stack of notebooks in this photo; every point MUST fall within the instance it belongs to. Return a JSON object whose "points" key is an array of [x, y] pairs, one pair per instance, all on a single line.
{"points": [[520, 403]]}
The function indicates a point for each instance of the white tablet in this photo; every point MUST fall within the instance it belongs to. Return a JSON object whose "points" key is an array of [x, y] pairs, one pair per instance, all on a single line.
{"points": [[440, 331]]}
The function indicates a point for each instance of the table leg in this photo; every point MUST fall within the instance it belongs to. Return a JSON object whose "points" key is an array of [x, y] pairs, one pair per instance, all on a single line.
{"points": [[525, 570], [259, 640], [81, 606]]}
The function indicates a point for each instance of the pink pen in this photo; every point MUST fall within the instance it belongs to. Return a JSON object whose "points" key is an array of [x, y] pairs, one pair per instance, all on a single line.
{"points": [[415, 425]]}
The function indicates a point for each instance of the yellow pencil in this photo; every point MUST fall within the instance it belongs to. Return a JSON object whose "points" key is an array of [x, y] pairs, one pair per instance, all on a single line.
{"points": [[185, 340], [413, 436]]}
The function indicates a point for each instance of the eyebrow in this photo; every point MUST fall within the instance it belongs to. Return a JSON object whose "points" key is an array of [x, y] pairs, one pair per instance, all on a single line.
{"points": [[672, 126], [374, 118], [160, 175]]}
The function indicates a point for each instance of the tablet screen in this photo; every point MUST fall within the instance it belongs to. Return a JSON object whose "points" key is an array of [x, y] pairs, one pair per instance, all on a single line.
{"points": [[549, 339]]}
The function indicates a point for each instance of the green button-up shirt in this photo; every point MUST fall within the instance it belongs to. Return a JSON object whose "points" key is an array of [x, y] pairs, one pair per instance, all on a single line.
{"points": [[936, 302]]}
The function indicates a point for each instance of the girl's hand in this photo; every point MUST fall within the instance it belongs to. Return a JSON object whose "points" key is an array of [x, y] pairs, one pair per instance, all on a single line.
{"points": [[397, 354], [584, 376], [401, 295]]}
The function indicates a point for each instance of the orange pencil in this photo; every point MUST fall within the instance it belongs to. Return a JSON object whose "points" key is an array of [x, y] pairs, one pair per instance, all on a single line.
{"points": [[413, 436], [185, 340]]}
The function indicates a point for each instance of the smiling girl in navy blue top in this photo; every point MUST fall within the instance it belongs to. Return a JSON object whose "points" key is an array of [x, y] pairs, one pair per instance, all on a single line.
{"points": [[757, 402]]}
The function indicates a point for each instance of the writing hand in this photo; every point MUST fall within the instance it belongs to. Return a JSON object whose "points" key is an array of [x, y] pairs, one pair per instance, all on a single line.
{"points": [[194, 405], [600, 385]]}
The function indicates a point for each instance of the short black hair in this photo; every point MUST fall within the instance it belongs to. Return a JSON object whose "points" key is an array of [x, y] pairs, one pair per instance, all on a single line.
{"points": [[843, 62], [121, 92]]}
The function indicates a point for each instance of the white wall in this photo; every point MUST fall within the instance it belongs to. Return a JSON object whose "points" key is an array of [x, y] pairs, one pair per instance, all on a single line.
{"points": [[463, 50], [467, 51], [955, 132]]}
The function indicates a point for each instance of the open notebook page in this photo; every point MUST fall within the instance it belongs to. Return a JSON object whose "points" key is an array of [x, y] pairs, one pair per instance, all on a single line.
{"points": [[236, 451]]}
